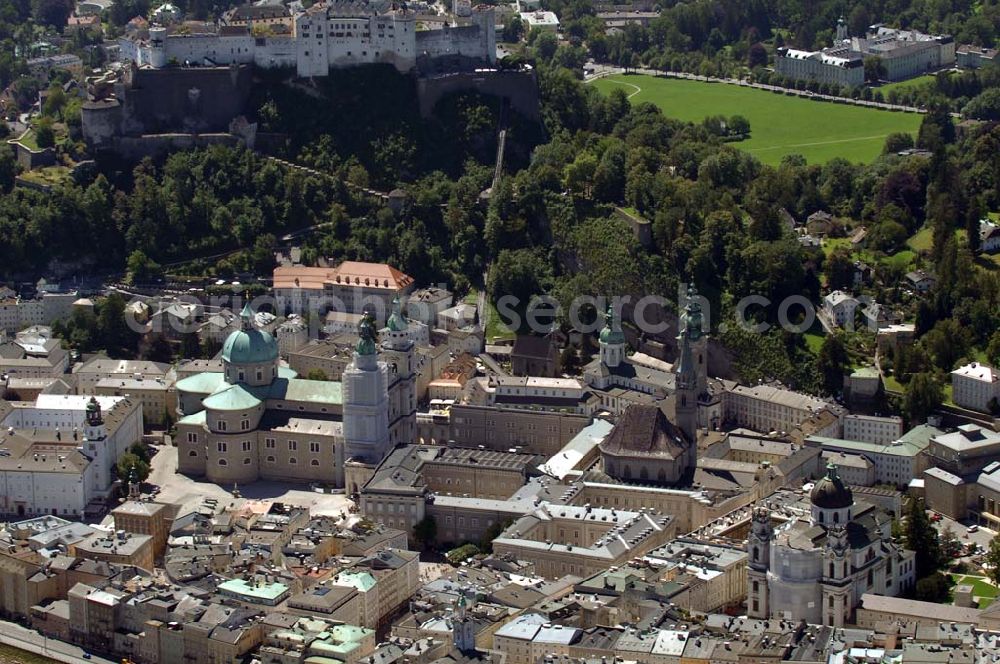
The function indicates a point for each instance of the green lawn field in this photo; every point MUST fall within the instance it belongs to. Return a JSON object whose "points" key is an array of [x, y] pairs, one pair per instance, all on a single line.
{"points": [[779, 124], [918, 82]]}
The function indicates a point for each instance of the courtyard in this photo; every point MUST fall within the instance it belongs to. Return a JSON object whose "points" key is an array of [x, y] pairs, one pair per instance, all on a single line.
{"points": [[191, 492]]}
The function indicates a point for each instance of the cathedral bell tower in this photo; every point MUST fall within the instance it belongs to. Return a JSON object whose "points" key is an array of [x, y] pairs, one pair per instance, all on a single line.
{"points": [[692, 324], [759, 556], [836, 582], [366, 399], [94, 430], [686, 383], [398, 354]]}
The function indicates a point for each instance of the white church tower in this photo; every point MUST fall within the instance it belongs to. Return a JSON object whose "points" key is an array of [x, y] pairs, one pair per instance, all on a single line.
{"points": [[612, 340], [366, 400], [398, 353], [96, 436], [759, 552]]}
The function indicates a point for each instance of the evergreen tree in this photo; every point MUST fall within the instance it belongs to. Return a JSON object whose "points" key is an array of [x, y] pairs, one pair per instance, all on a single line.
{"points": [[922, 538]]}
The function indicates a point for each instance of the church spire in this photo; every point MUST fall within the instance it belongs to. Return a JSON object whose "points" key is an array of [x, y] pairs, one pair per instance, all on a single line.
{"points": [[397, 321]]}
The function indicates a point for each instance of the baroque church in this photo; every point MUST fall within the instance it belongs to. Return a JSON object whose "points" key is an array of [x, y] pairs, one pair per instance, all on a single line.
{"points": [[258, 420], [827, 552], [655, 443]]}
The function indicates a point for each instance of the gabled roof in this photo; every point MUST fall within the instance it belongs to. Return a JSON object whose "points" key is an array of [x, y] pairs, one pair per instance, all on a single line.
{"points": [[644, 430]]}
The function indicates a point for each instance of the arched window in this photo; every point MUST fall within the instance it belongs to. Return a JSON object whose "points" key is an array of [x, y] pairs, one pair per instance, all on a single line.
{"points": [[756, 553], [192, 453], [821, 517], [246, 462], [270, 459], [831, 570], [643, 473], [314, 462], [223, 462], [836, 517], [662, 475], [628, 472], [871, 577], [756, 586]]}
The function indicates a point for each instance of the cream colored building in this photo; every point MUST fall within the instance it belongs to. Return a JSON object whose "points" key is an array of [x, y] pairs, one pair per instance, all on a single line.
{"points": [[101, 368], [539, 432], [144, 518], [123, 548], [765, 408], [580, 540], [157, 395]]}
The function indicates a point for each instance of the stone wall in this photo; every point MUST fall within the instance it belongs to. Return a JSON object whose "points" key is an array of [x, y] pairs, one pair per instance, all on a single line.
{"points": [[135, 148], [183, 99], [520, 87]]}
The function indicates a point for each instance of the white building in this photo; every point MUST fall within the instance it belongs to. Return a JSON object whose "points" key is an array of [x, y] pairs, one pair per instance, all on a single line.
{"points": [[47, 308], [57, 454], [989, 236], [540, 20], [424, 304], [976, 386], [895, 463], [855, 469], [872, 428], [291, 334], [836, 66], [840, 307], [903, 54], [325, 36], [826, 554]]}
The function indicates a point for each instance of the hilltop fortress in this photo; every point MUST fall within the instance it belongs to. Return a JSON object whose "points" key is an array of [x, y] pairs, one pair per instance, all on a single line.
{"points": [[337, 34]]}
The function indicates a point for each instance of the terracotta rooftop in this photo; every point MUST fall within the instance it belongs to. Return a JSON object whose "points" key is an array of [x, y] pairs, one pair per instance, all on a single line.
{"points": [[370, 275]]}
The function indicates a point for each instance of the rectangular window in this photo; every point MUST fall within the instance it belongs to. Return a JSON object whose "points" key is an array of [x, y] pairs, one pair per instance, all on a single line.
{"points": [[269, 443], [222, 425], [221, 447], [192, 437], [244, 425], [292, 445], [246, 445], [314, 448]]}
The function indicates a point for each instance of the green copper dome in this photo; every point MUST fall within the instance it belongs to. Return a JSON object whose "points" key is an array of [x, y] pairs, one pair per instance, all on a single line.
{"points": [[612, 332], [397, 321], [249, 345]]}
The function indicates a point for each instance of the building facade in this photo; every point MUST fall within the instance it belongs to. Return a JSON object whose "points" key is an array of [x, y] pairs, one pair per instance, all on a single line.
{"points": [[816, 565], [255, 419]]}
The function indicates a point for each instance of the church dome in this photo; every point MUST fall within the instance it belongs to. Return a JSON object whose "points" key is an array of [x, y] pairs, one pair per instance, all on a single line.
{"points": [[249, 345], [830, 492]]}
